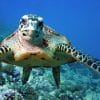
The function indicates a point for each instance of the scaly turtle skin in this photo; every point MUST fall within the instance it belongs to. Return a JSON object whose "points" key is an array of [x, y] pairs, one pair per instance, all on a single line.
{"points": [[34, 44]]}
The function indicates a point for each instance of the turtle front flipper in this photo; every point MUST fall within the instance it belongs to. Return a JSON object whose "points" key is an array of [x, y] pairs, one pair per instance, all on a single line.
{"points": [[79, 56], [4, 50]]}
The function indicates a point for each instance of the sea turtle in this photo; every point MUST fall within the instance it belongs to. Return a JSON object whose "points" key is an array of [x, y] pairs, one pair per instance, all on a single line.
{"points": [[34, 44]]}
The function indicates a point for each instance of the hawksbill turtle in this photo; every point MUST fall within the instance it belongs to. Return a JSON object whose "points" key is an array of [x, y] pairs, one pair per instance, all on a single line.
{"points": [[35, 44]]}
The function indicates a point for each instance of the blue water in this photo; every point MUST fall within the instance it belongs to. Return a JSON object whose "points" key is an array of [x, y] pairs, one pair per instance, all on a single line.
{"points": [[79, 20]]}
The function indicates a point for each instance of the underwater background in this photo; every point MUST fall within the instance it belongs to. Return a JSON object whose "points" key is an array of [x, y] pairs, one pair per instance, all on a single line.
{"points": [[79, 20]]}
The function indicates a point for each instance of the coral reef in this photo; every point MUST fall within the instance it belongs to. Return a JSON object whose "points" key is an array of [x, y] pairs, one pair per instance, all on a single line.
{"points": [[11, 94], [77, 83]]}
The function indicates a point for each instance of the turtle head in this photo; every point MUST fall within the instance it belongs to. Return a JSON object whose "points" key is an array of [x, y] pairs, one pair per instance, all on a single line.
{"points": [[31, 28], [31, 22]]}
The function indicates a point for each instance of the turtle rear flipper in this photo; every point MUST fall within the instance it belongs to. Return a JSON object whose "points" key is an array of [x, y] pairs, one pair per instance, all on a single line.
{"points": [[26, 74], [79, 56], [56, 75]]}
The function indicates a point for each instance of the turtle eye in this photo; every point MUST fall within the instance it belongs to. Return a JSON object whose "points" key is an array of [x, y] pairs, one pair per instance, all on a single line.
{"points": [[40, 24], [40, 19], [24, 21]]}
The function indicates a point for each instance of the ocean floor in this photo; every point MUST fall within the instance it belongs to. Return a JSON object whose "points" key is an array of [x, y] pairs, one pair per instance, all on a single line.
{"points": [[78, 82]]}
